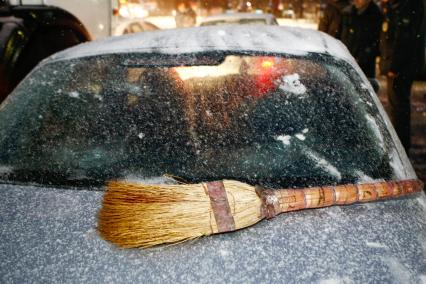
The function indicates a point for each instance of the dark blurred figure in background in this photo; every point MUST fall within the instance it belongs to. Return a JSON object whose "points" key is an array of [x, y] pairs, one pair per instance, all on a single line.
{"points": [[185, 15], [361, 24], [297, 8], [400, 48], [245, 6], [330, 21]]}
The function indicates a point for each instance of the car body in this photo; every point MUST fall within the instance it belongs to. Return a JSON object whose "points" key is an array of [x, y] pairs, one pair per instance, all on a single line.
{"points": [[134, 26], [288, 13], [108, 110], [239, 18]]}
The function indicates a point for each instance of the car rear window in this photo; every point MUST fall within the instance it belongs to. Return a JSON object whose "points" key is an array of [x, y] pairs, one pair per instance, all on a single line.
{"points": [[270, 120]]}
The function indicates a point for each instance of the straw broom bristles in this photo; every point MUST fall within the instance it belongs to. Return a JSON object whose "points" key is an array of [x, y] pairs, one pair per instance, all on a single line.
{"points": [[136, 215], [144, 216]]}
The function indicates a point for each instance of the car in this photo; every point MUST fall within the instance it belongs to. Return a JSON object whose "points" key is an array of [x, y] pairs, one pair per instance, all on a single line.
{"points": [[239, 18], [200, 105], [288, 14], [32, 30], [134, 26]]}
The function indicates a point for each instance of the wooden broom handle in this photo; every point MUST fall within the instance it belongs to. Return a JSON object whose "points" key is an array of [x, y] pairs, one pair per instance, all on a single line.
{"points": [[285, 200]]}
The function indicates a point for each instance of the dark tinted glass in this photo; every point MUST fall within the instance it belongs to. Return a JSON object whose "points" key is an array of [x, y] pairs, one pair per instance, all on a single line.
{"points": [[274, 121]]}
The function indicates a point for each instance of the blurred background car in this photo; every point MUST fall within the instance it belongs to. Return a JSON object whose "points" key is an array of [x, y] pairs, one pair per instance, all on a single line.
{"points": [[288, 13], [33, 30], [239, 18], [206, 104], [134, 26]]}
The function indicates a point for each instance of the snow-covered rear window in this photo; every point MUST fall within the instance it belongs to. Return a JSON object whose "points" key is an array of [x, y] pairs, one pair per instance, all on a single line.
{"points": [[268, 120]]}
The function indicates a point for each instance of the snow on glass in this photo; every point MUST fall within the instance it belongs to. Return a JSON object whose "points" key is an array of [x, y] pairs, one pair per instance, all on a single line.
{"points": [[291, 83], [273, 121]]}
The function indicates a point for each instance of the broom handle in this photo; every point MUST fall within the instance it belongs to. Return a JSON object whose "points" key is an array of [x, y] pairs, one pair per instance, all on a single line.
{"points": [[285, 200]]}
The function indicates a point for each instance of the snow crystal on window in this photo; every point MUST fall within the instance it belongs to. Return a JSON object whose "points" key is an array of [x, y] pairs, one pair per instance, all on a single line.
{"points": [[324, 164], [6, 170], [375, 128], [285, 139], [291, 83], [300, 137], [99, 97], [74, 95], [363, 178], [396, 164]]}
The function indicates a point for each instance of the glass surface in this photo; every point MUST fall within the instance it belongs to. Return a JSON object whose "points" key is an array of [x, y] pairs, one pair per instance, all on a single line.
{"points": [[268, 120]]}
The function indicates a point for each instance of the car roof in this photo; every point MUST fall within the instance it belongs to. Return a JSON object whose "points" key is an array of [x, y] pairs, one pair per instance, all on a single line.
{"points": [[259, 38], [235, 16]]}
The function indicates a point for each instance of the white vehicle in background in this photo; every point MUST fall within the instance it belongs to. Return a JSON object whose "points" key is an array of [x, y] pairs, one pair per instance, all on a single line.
{"points": [[134, 26], [31, 30], [239, 18]]}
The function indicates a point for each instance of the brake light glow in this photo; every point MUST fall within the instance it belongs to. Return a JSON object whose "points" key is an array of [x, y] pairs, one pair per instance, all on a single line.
{"points": [[267, 63]]}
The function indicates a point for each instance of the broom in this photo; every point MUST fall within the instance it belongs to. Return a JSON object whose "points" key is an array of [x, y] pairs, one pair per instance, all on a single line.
{"points": [[137, 215]]}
